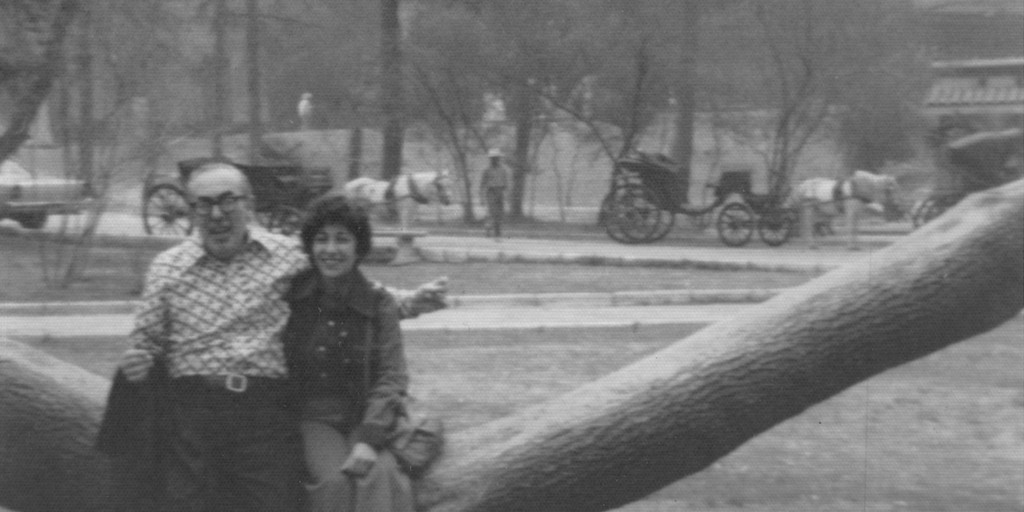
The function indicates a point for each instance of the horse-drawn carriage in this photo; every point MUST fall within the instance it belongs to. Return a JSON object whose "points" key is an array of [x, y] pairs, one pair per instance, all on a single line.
{"points": [[280, 192], [646, 194], [970, 164]]}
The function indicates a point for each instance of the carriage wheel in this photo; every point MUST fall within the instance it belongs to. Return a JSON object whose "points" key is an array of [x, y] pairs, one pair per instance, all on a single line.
{"points": [[633, 216], [735, 224], [604, 212], [668, 219], [284, 220], [165, 211], [775, 226]]}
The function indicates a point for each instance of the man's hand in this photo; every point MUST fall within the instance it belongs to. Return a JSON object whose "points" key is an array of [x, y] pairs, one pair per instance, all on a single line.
{"points": [[135, 363], [430, 297], [360, 461]]}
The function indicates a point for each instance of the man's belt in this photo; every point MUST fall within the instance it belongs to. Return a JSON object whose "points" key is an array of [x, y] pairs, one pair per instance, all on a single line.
{"points": [[233, 382]]}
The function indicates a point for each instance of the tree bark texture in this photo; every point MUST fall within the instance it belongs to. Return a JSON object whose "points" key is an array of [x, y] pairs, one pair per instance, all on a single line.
{"points": [[649, 424], [32, 83], [49, 416]]}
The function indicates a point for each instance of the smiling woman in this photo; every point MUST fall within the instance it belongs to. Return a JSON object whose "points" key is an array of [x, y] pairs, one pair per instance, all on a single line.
{"points": [[345, 354]]}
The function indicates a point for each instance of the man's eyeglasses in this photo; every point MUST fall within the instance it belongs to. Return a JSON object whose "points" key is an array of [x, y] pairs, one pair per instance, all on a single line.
{"points": [[227, 202]]}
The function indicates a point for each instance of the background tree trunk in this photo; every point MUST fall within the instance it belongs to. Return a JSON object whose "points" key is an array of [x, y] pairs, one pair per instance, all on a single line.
{"points": [[220, 77], [86, 96], [252, 40], [522, 114], [660, 419], [686, 90], [355, 153], [391, 89]]}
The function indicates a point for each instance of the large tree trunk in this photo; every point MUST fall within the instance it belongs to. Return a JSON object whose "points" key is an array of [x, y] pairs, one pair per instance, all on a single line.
{"points": [[49, 415], [656, 421]]}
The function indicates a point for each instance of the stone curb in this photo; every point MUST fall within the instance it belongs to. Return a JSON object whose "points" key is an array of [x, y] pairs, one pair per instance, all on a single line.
{"points": [[525, 300], [488, 256]]}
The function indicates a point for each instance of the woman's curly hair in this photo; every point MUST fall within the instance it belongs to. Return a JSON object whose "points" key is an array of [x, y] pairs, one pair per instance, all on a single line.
{"points": [[335, 209]]}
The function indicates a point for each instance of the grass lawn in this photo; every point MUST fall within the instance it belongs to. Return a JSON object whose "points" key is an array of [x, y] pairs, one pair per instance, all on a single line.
{"points": [[944, 433], [114, 274]]}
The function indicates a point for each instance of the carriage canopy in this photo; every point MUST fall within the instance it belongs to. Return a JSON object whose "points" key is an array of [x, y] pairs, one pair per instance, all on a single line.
{"points": [[659, 173], [985, 159]]}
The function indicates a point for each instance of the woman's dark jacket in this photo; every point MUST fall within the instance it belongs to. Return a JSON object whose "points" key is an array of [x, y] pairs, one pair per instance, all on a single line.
{"points": [[350, 350]]}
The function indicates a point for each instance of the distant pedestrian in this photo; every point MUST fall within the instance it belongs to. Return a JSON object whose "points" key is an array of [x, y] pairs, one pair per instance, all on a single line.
{"points": [[305, 111], [492, 187]]}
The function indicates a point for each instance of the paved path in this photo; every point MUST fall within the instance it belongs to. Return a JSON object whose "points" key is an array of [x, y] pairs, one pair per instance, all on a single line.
{"points": [[793, 256], [446, 248]]}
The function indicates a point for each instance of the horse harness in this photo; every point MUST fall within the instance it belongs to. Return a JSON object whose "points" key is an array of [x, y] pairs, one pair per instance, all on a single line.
{"points": [[414, 190], [846, 189]]}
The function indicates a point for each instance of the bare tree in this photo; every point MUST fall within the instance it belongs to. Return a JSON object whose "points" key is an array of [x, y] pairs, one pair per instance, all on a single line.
{"points": [[30, 61], [786, 68], [446, 55]]}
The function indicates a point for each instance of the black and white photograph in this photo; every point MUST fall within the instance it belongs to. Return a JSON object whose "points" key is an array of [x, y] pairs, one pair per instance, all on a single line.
{"points": [[511, 255]]}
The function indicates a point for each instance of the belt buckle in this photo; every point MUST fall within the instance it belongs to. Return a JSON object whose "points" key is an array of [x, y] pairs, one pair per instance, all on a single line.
{"points": [[236, 382]]}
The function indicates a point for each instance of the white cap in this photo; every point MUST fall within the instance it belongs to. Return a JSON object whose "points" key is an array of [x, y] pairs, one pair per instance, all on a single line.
{"points": [[494, 152]]}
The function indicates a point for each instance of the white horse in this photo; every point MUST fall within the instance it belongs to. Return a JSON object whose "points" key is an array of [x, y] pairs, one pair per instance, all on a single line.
{"points": [[821, 199], [405, 190]]}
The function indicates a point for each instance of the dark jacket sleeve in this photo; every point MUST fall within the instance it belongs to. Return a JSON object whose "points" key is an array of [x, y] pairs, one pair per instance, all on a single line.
{"points": [[389, 379]]}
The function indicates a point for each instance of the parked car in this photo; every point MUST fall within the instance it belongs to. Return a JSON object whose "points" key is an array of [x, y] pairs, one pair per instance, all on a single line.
{"points": [[30, 200]]}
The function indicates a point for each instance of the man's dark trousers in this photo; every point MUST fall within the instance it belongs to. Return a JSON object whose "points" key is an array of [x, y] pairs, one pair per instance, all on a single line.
{"points": [[231, 451]]}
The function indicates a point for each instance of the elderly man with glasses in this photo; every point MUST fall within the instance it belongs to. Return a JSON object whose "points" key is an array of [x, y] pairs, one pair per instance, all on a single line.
{"points": [[212, 310]]}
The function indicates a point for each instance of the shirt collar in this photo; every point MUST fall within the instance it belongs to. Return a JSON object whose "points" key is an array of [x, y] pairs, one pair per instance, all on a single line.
{"points": [[360, 298], [193, 251]]}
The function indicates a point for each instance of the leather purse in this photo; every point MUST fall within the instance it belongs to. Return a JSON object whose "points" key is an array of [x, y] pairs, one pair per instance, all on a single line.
{"points": [[417, 443]]}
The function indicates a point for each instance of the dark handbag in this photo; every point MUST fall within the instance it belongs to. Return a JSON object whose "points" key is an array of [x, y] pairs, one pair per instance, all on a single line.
{"points": [[417, 443], [416, 440]]}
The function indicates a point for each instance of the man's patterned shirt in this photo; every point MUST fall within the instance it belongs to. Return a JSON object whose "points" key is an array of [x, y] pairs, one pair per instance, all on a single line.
{"points": [[208, 316]]}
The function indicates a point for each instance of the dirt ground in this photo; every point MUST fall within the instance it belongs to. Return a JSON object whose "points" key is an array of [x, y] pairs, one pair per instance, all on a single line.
{"points": [[941, 434]]}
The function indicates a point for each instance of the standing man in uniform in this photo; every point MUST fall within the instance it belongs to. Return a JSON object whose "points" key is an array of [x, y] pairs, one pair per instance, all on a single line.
{"points": [[492, 187]]}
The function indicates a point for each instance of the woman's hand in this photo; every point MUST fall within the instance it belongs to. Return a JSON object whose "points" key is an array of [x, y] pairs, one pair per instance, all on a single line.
{"points": [[428, 297], [360, 461]]}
